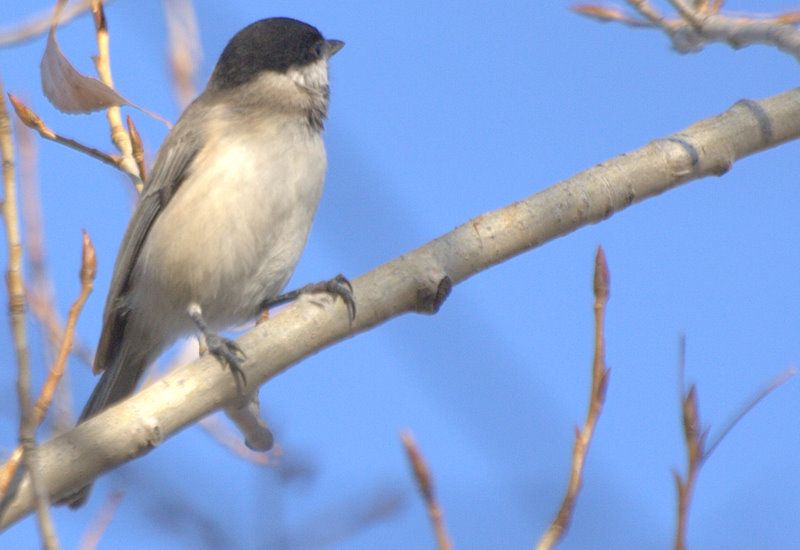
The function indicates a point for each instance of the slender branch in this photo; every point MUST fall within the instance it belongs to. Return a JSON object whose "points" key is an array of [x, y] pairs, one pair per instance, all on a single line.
{"points": [[651, 14], [87, 274], [695, 438], [137, 148], [770, 387], [119, 135], [32, 120], [694, 18], [184, 48], [425, 483], [607, 14], [418, 281], [16, 298], [39, 290], [597, 396], [694, 27], [40, 23], [43, 308]]}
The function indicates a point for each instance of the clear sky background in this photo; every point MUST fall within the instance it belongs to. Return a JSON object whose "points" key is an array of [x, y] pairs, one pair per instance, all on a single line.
{"points": [[441, 111]]}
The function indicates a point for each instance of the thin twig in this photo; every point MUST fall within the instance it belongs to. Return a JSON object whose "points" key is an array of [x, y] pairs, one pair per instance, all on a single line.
{"points": [[184, 48], [425, 484], [91, 538], [773, 385], [102, 61], [40, 23], [606, 14], [597, 395], [87, 274], [137, 148], [39, 290], [9, 470], [650, 13], [43, 308], [16, 298], [694, 26], [32, 120], [695, 437]]}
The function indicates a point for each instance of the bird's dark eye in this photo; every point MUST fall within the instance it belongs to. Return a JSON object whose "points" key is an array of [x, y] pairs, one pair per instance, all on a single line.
{"points": [[319, 49]]}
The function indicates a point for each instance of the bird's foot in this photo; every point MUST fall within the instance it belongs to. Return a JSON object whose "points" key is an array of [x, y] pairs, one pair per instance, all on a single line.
{"points": [[338, 286], [226, 351]]}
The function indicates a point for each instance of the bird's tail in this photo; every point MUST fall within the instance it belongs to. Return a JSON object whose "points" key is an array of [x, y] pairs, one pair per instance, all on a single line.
{"points": [[117, 382], [122, 373]]}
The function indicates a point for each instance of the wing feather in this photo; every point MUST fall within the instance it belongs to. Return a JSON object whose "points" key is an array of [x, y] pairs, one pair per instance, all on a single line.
{"points": [[171, 167]]}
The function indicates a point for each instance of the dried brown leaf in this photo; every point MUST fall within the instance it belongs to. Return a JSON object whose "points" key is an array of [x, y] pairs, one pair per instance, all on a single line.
{"points": [[70, 91]]}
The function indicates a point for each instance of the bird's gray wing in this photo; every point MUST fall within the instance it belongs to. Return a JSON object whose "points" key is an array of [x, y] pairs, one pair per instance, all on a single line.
{"points": [[170, 169]]}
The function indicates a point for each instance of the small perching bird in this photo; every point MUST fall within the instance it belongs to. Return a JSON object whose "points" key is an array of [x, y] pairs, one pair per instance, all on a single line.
{"points": [[226, 211]]}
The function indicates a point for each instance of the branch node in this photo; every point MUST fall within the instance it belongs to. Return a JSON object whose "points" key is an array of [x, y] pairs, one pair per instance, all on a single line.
{"points": [[430, 299], [153, 434], [761, 116]]}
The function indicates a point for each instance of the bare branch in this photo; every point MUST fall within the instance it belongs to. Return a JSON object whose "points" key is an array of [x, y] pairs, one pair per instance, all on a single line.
{"points": [[597, 396], [607, 14], [416, 282], [425, 483], [119, 135], [771, 386], [16, 298], [32, 120], [695, 437], [699, 24], [184, 48], [39, 289], [40, 23], [246, 416], [137, 148], [87, 274]]}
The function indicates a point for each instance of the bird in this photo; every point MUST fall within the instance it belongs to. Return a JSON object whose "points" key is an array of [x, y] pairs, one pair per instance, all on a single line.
{"points": [[225, 213]]}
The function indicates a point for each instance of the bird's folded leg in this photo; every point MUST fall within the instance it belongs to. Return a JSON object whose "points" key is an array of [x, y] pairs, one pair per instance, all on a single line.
{"points": [[226, 351]]}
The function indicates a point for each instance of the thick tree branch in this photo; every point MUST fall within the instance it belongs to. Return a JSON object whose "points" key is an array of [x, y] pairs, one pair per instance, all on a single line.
{"points": [[417, 281]]}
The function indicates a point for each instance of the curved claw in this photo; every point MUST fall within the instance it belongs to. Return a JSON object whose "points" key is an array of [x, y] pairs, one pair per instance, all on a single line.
{"points": [[228, 353], [340, 286]]}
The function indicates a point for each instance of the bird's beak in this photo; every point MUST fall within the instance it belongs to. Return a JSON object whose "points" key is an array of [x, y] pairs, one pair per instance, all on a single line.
{"points": [[333, 46]]}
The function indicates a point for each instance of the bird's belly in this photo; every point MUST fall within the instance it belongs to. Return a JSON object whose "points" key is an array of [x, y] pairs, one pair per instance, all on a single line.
{"points": [[228, 243]]}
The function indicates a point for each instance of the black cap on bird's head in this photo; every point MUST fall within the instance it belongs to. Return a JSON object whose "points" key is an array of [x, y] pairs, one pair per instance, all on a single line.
{"points": [[274, 44]]}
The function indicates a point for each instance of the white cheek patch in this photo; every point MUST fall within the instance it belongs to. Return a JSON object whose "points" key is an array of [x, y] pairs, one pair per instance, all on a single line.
{"points": [[314, 76]]}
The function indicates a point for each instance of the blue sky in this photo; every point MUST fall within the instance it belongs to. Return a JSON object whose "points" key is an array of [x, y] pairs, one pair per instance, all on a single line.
{"points": [[441, 111]]}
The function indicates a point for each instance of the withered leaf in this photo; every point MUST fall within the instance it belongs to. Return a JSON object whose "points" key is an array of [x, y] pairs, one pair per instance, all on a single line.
{"points": [[70, 91]]}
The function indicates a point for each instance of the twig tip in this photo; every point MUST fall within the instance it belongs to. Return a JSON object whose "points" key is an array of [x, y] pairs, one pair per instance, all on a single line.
{"points": [[88, 260]]}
